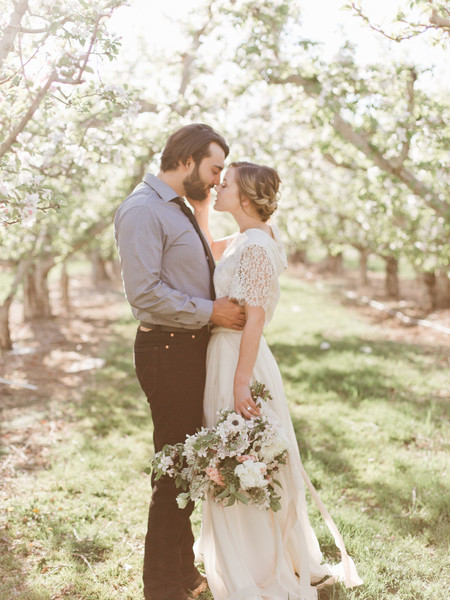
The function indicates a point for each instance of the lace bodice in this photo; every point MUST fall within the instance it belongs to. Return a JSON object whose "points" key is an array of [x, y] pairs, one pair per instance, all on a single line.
{"points": [[249, 268]]}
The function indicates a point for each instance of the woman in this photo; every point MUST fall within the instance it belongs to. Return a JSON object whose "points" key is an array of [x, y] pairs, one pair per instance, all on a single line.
{"points": [[250, 554]]}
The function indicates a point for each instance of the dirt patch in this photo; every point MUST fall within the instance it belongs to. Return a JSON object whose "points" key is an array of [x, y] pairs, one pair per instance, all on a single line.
{"points": [[51, 364], [346, 290]]}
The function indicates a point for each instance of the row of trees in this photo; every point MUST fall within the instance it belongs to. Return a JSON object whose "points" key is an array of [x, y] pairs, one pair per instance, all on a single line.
{"points": [[360, 148]]}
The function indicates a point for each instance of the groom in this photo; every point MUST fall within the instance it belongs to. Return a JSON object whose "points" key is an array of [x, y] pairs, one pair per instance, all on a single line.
{"points": [[167, 271]]}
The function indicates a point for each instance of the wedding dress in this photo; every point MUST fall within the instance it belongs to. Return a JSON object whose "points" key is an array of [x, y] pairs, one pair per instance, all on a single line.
{"points": [[248, 553]]}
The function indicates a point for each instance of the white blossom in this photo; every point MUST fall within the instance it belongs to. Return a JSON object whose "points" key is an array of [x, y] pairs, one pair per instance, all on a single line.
{"points": [[251, 474]]}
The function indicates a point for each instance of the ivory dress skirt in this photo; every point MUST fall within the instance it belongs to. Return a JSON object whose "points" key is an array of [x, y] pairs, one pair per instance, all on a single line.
{"points": [[253, 554]]}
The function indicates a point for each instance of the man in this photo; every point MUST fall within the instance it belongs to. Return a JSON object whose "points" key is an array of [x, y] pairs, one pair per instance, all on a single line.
{"points": [[167, 274]]}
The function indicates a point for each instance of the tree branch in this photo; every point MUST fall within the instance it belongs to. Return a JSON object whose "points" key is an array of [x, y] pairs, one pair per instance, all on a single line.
{"points": [[41, 43], [311, 85], [343, 165], [7, 42], [436, 21], [11, 139], [433, 200], [98, 121], [22, 268], [439, 21], [95, 228], [400, 159], [189, 57], [91, 45], [359, 140]]}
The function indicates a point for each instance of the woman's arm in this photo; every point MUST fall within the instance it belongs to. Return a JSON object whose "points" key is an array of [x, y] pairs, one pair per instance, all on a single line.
{"points": [[201, 213], [248, 351]]}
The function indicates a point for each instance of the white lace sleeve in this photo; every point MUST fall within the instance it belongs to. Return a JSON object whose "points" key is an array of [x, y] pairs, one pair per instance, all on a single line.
{"points": [[254, 279]]}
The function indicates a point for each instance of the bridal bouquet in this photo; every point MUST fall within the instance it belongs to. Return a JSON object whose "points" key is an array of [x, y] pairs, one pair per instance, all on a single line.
{"points": [[237, 460]]}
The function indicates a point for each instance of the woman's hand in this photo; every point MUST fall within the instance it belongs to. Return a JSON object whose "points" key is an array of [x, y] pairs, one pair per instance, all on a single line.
{"points": [[201, 212], [200, 206], [243, 402]]}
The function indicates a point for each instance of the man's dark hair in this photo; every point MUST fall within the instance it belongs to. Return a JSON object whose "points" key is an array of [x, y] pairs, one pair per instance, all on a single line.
{"points": [[191, 140]]}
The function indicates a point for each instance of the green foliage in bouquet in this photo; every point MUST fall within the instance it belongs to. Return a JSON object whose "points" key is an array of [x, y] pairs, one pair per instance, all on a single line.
{"points": [[237, 460]]}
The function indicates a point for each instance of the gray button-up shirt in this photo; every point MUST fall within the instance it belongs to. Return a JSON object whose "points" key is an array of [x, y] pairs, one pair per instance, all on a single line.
{"points": [[164, 269]]}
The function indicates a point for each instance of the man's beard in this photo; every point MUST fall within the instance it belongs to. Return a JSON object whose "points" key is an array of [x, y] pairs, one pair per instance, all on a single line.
{"points": [[194, 187]]}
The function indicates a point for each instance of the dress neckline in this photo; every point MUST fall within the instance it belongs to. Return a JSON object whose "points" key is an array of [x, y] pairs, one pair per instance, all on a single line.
{"points": [[271, 236]]}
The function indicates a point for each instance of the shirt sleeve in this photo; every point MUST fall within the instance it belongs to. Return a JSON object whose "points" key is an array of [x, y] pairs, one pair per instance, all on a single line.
{"points": [[255, 276], [140, 241]]}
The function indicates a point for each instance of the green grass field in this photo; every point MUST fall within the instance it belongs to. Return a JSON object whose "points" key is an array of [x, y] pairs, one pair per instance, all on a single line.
{"points": [[371, 426]]}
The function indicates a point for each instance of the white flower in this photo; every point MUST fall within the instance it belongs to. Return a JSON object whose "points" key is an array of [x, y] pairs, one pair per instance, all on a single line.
{"points": [[189, 451], [273, 448], [231, 426], [25, 177], [250, 474], [182, 500], [234, 422], [165, 463]]}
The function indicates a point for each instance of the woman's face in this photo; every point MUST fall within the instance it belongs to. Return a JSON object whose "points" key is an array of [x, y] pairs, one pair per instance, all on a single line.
{"points": [[228, 193]]}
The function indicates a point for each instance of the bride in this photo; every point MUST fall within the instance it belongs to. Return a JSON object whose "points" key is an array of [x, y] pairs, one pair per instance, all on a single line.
{"points": [[250, 554]]}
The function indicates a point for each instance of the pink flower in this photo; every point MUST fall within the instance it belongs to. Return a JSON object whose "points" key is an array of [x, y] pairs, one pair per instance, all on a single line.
{"points": [[245, 457], [214, 475]]}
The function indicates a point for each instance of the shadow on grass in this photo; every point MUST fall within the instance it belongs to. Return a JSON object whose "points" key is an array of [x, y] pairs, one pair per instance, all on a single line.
{"points": [[115, 401], [402, 498], [343, 370], [13, 575], [116, 404], [85, 550]]}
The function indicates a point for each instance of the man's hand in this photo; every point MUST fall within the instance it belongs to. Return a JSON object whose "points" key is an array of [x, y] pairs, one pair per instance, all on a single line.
{"points": [[228, 313]]}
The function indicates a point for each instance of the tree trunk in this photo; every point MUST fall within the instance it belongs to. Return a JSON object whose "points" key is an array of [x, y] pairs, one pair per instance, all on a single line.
{"points": [[64, 287], [363, 258], [10, 32], [429, 296], [99, 272], [443, 288], [334, 264], [115, 268], [5, 335], [36, 297], [298, 256], [392, 284]]}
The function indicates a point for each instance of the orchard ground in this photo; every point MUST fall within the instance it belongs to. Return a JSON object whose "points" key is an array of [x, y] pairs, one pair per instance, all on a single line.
{"points": [[368, 398]]}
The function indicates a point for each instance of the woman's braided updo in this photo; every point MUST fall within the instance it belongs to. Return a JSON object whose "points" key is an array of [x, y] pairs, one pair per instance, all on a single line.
{"points": [[260, 185]]}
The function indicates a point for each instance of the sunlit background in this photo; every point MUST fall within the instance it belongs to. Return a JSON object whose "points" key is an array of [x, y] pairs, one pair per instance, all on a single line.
{"points": [[350, 101]]}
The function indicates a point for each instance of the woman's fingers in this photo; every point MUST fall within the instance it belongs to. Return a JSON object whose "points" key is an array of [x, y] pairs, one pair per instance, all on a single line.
{"points": [[248, 409]]}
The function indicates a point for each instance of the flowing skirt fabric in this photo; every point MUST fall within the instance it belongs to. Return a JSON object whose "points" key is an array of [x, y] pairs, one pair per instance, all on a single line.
{"points": [[253, 554]]}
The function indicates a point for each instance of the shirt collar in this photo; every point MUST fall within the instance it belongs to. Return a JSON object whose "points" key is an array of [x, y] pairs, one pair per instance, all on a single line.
{"points": [[164, 191]]}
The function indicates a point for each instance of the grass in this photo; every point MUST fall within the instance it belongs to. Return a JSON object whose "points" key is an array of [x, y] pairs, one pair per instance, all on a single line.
{"points": [[371, 425]]}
